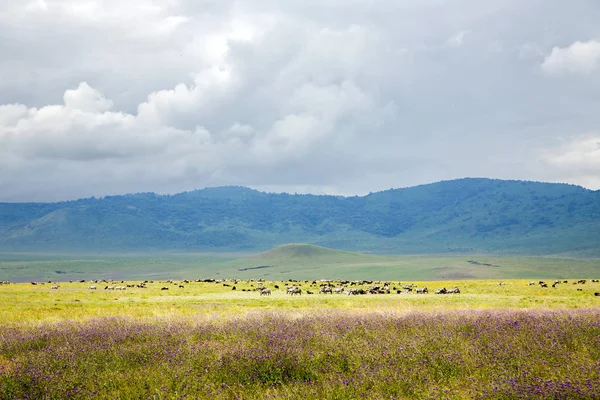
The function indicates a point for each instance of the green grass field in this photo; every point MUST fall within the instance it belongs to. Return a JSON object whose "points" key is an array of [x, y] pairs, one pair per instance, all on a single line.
{"points": [[24, 302], [207, 340], [296, 261]]}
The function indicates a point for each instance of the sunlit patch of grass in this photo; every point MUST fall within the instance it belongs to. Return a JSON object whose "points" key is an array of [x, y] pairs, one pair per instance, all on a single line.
{"points": [[209, 341], [25, 303]]}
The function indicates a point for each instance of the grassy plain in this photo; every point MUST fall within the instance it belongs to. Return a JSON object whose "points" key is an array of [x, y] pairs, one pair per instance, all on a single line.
{"points": [[206, 340], [26, 303], [294, 261]]}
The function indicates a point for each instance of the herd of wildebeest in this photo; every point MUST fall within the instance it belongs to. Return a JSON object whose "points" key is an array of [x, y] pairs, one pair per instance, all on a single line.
{"points": [[294, 287]]}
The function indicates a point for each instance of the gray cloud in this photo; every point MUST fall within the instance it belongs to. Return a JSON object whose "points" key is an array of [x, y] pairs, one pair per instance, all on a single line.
{"points": [[321, 96]]}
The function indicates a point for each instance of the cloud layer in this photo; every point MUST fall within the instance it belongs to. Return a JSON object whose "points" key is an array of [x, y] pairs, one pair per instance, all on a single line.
{"points": [[104, 97]]}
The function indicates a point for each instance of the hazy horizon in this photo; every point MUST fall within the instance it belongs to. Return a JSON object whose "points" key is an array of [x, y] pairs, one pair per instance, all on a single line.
{"points": [[266, 190]]}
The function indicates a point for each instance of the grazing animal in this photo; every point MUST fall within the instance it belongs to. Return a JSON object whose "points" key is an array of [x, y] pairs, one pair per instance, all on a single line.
{"points": [[543, 285], [34, 283], [326, 289], [309, 292], [91, 287], [292, 290], [164, 288], [531, 283], [580, 290], [181, 286], [233, 288], [422, 290], [441, 291], [54, 287], [265, 292], [500, 283], [597, 294], [454, 290]]}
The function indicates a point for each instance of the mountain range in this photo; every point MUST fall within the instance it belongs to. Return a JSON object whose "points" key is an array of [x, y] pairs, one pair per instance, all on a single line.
{"points": [[471, 215]]}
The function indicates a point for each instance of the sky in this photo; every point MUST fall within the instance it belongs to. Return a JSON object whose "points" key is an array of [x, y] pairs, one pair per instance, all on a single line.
{"points": [[310, 96]]}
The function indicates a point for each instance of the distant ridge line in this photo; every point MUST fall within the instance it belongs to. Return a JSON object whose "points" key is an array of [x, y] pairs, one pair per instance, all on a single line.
{"points": [[466, 216]]}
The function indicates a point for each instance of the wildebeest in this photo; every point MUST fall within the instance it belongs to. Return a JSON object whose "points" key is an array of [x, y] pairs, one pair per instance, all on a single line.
{"points": [[265, 292], [422, 290], [500, 283], [441, 291], [326, 289], [164, 288], [91, 287], [294, 290], [454, 290], [597, 294], [531, 283]]}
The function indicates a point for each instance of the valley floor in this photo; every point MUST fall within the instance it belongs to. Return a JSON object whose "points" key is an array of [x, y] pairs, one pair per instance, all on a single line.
{"points": [[206, 340]]}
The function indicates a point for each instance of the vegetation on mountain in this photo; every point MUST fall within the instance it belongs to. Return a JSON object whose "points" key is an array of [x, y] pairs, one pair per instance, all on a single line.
{"points": [[466, 216]]}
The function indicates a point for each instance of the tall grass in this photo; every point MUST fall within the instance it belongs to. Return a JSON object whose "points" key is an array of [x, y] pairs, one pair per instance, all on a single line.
{"points": [[495, 354]]}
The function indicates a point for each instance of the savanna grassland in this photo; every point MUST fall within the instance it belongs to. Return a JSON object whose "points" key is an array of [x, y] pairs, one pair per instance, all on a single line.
{"points": [[291, 261], [206, 340]]}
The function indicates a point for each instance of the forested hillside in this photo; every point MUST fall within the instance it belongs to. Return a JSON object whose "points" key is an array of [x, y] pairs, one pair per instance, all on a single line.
{"points": [[466, 215]]}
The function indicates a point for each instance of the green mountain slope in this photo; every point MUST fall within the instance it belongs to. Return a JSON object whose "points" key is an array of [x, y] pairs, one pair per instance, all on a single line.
{"points": [[466, 215]]}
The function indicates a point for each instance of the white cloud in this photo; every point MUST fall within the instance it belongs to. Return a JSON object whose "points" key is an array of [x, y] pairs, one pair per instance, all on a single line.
{"points": [[581, 153], [100, 97], [576, 160], [578, 58], [85, 98]]}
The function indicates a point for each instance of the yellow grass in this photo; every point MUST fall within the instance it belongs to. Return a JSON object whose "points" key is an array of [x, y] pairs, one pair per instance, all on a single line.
{"points": [[25, 303]]}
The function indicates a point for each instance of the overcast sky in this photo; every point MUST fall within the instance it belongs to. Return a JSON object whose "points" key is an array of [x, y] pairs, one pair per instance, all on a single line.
{"points": [[320, 96]]}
